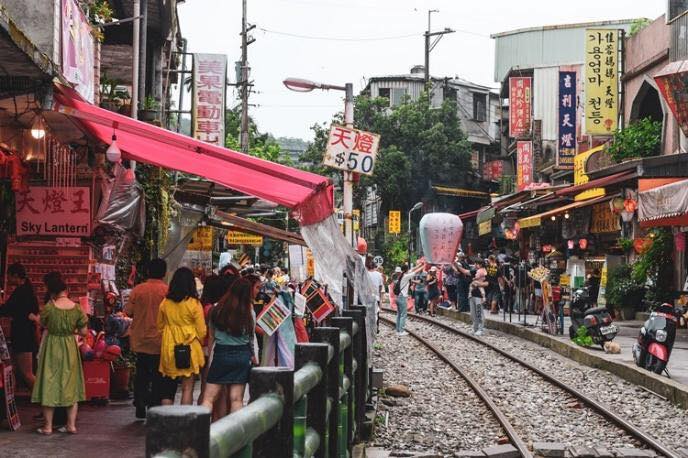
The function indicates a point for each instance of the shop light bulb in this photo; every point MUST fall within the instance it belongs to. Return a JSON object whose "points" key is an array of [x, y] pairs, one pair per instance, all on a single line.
{"points": [[554, 218], [113, 153], [38, 127], [567, 216]]}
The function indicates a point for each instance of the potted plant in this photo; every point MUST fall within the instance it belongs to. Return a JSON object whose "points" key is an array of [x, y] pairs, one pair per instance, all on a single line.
{"points": [[113, 96], [624, 292], [149, 110], [122, 369]]}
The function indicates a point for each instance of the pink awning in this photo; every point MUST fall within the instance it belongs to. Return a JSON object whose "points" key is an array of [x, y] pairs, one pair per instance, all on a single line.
{"points": [[307, 194]]}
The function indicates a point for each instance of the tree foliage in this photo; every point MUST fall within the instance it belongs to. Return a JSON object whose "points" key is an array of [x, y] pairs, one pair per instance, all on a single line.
{"points": [[261, 145], [419, 146], [640, 139]]}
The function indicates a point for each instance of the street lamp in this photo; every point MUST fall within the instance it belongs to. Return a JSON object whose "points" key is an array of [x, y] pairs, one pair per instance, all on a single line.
{"points": [[414, 208], [303, 85]]}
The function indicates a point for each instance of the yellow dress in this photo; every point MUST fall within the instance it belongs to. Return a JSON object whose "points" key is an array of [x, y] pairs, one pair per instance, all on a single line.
{"points": [[181, 323]]}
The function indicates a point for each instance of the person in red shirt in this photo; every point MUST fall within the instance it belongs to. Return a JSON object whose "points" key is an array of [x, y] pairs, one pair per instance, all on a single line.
{"points": [[150, 387]]}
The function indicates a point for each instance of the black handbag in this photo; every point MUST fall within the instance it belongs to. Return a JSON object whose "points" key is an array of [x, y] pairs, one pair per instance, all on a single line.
{"points": [[182, 356]]}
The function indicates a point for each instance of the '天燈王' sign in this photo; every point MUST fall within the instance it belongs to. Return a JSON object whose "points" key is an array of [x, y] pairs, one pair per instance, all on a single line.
{"points": [[54, 211]]}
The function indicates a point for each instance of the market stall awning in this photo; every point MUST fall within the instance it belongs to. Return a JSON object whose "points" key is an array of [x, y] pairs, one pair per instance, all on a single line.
{"points": [[661, 204], [307, 194], [472, 214], [460, 192], [536, 220], [598, 183], [228, 221]]}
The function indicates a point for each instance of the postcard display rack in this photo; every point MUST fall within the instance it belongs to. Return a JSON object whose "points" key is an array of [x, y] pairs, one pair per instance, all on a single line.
{"points": [[73, 262]]}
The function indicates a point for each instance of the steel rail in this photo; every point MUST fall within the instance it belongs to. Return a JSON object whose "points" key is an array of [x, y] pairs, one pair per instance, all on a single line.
{"points": [[595, 405], [501, 418]]}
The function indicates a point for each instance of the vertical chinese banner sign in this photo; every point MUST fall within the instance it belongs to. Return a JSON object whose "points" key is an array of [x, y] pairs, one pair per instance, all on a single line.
{"points": [[78, 49], [601, 81], [208, 105], [567, 119], [524, 170], [520, 108]]}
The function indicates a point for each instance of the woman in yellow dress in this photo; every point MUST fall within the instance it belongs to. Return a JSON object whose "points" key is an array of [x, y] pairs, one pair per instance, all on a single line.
{"points": [[182, 327]]}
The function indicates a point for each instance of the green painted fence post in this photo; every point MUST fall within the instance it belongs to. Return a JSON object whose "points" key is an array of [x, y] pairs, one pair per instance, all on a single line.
{"points": [[346, 324], [178, 428], [358, 313], [278, 442], [316, 410], [330, 336]]}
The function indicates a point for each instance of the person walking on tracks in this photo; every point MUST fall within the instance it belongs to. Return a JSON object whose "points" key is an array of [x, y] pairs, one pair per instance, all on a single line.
{"points": [[478, 297], [401, 287]]}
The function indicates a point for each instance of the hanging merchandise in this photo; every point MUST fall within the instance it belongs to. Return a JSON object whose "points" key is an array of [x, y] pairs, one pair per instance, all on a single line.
{"points": [[274, 315], [583, 244], [126, 207], [440, 236], [616, 204]]}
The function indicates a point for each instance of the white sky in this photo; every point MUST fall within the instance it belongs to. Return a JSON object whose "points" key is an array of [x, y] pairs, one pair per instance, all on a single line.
{"points": [[213, 26]]}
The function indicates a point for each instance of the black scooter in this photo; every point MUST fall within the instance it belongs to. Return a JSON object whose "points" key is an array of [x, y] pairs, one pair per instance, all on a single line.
{"points": [[597, 321], [656, 338]]}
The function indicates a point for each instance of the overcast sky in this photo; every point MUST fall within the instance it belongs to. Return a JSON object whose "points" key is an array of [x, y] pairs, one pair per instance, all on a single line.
{"points": [[351, 40]]}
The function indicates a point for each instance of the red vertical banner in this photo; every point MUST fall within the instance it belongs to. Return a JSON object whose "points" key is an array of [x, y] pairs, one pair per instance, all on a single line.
{"points": [[524, 169], [520, 108]]}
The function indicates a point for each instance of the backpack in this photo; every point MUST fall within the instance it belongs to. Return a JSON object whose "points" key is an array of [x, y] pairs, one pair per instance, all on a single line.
{"points": [[397, 285]]}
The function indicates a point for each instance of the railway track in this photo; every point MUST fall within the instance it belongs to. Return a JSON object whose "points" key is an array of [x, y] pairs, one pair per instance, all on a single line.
{"points": [[518, 431]]}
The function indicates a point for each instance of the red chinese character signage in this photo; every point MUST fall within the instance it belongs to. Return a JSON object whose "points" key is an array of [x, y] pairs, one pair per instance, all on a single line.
{"points": [[351, 150], [524, 169], [672, 82], [209, 76], [493, 170], [54, 211], [520, 108]]}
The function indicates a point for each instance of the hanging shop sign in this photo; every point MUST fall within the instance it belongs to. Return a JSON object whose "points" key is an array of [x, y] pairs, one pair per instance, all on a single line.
{"points": [[356, 219], [208, 102], [672, 82], [520, 108], [202, 239], [78, 50], [485, 227], [580, 177], [601, 81], [567, 119], [351, 150], [493, 170], [603, 219], [394, 221], [54, 211], [524, 170], [242, 238]]}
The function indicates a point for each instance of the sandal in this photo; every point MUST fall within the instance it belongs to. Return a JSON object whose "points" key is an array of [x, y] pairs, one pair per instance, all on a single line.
{"points": [[63, 429], [43, 432]]}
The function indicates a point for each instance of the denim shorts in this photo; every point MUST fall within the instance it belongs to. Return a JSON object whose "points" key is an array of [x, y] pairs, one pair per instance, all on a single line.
{"points": [[231, 364]]}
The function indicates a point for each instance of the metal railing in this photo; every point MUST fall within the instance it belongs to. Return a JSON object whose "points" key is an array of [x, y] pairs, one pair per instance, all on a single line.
{"points": [[316, 410]]}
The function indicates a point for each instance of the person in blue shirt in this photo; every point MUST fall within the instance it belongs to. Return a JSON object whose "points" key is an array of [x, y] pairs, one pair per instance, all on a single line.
{"points": [[231, 326]]}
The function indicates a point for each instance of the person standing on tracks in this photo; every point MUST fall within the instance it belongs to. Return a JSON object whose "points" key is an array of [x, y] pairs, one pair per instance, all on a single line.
{"points": [[402, 281], [463, 274], [494, 293], [477, 293], [420, 294]]}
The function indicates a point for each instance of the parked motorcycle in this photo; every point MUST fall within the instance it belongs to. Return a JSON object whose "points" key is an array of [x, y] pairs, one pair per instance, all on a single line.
{"points": [[596, 320], [656, 338]]}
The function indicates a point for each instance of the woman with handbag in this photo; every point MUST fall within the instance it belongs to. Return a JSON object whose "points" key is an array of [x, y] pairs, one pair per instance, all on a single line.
{"points": [[182, 327], [231, 338]]}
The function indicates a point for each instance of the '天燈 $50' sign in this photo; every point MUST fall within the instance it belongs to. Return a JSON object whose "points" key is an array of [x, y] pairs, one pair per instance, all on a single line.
{"points": [[351, 150]]}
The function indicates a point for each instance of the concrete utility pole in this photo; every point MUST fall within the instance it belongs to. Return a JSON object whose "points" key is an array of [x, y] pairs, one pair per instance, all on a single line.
{"points": [[348, 202], [135, 62], [430, 46], [244, 83]]}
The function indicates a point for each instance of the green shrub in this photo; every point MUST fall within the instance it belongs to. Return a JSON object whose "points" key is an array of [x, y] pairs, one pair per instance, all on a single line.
{"points": [[640, 139]]}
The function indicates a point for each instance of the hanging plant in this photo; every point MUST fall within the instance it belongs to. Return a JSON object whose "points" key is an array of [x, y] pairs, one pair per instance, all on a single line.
{"points": [[626, 244]]}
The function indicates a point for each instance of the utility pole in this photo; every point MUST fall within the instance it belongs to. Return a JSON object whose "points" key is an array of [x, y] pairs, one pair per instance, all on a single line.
{"points": [[348, 187], [430, 46], [244, 83]]}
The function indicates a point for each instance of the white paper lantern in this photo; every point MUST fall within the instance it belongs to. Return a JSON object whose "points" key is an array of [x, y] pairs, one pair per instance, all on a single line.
{"points": [[113, 153], [440, 236]]}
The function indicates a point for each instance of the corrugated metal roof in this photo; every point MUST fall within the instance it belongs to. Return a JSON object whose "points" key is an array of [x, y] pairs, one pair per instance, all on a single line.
{"points": [[566, 26], [544, 46]]}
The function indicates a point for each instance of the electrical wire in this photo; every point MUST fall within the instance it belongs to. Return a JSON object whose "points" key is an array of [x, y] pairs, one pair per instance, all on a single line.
{"points": [[310, 37]]}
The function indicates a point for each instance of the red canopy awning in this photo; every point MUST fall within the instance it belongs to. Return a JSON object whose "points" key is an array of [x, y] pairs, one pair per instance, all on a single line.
{"points": [[599, 183], [307, 194]]}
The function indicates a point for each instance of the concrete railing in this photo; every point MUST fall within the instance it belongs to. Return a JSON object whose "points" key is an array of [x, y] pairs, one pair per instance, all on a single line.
{"points": [[315, 410]]}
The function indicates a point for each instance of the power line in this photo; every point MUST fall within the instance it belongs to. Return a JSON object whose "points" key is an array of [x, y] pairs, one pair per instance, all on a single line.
{"points": [[360, 39]]}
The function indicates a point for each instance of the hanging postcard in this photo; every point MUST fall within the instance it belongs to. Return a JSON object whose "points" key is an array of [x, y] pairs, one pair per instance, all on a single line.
{"points": [[274, 315]]}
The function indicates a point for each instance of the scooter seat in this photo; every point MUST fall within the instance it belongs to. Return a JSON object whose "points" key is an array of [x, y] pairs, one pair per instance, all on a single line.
{"points": [[596, 311]]}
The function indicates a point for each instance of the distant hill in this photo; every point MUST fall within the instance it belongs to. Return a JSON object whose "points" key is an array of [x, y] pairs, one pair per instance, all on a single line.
{"points": [[294, 147]]}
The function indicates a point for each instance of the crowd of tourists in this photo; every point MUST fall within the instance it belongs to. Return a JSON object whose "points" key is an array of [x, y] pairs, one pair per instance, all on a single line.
{"points": [[192, 329], [490, 283]]}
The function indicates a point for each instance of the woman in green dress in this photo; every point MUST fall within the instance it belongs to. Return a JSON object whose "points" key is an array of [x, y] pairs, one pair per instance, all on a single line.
{"points": [[60, 377]]}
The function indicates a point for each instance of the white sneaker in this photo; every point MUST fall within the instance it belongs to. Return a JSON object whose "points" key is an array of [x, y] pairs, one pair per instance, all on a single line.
{"points": [[402, 333], [478, 333]]}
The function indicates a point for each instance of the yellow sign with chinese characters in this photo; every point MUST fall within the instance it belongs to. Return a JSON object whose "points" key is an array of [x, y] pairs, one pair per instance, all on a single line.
{"points": [[580, 177], [601, 81], [242, 238], [356, 219], [202, 239], [485, 227], [394, 221]]}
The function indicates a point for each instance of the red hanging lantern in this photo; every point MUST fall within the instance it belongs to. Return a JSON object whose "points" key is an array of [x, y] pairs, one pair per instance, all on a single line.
{"points": [[583, 244]]}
